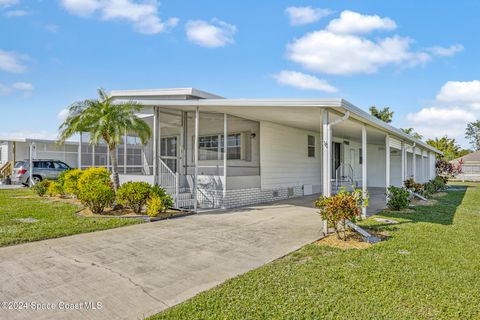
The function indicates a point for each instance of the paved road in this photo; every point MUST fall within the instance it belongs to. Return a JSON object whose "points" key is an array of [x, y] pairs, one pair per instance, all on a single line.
{"points": [[139, 270]]}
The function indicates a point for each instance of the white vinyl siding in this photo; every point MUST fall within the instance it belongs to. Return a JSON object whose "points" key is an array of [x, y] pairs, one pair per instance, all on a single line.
{"points": [[284, 160]]}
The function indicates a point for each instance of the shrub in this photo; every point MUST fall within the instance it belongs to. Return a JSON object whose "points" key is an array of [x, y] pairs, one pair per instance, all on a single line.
{"points": [[94, 174], [155, 205], [61, 177], [71, 184], [41, 187], [340, 208], [134, 195], [398, 198], [440, 183], [55, 189], [410, 184], [428, 189], [166, 198], [96, 195]]}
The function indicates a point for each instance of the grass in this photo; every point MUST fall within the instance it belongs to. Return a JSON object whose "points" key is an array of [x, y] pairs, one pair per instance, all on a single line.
{"points": [[428, 269], [56, 219]]}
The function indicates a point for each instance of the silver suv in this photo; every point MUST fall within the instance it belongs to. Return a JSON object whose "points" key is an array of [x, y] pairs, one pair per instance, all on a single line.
{"points": [[42, 169]]}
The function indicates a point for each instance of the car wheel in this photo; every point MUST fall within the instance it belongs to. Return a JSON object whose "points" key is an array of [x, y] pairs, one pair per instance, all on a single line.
{"points": [[36, 179]]}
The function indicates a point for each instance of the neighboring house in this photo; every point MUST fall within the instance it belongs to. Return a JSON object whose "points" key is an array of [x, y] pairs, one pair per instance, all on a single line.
{"points": [[276, 148], [132, 161], [470, 164]]}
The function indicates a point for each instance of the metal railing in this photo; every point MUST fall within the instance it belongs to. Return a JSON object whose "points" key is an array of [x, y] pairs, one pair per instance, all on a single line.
{"points": [[344, 173], [169, 180]]}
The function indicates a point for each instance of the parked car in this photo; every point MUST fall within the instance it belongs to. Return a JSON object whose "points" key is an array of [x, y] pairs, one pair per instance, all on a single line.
{"points": [[42, 169]]}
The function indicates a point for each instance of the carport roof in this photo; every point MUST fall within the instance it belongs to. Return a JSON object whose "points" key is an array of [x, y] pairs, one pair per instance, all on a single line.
{"points": [[175, 98]]}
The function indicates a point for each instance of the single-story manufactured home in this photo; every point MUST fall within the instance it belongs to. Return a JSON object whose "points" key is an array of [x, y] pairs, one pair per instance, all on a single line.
{"points": [[274, 148], [470, 165]]}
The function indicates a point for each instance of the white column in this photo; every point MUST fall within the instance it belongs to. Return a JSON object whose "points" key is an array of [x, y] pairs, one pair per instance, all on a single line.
{"points": [[225, 155], [428, 166], [80, 151], [155, 145], [30, 164], [403, 160], [414, 163], [93, 155], [195, 181], [387, 161], [364, 166], [125, 152], [326, 158]]}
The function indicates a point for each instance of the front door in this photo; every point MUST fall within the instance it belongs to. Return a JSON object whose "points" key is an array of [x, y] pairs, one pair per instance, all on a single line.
{"points": [[169, 148], [336, 157]]}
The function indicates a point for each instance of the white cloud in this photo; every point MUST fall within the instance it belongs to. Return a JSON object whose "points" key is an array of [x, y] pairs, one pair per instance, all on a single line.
{"points": [[303, 81], [446, 52], [343, 47], [212, 34], [331, 53], [144, 16], [53, 28], [8, 3], [351, 22], [440, 121], [304, 15], [17, 13], [12, 61], [461, 92], [62, 115], [456, 104], [24, 87]]}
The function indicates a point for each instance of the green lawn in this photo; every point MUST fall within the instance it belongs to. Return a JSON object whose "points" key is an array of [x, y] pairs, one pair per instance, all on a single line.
{"points": [[55, 219], [428, 269]]}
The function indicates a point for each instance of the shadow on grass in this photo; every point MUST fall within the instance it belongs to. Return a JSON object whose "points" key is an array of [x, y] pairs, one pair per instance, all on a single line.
{"points": [[443, 212]]}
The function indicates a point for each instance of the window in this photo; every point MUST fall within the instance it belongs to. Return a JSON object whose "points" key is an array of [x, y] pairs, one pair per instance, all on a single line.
{"points": [[311, 146], [234, 147], [61, 165], [208, 148], [211, 147], [0, 155]]}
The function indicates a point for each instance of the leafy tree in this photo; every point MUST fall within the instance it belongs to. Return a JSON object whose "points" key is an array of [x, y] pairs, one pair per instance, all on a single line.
{"points": [[473, 134], [384, 114], [106, 120], [413, 133], [447, 145]]}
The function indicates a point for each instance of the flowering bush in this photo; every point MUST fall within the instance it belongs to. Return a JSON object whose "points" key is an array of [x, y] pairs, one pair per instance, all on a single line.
{"points": [[166, 198], [70, 181], [96, 195], [55, 189], [410, 184], [155, 205], [340, 208]]}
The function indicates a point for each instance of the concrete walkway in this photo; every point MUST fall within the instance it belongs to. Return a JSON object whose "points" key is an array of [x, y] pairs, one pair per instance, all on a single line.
{"points": [[139, 270]]}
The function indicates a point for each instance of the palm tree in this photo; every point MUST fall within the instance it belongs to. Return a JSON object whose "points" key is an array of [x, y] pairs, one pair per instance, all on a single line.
{"points": [[448, 146], [103, 119], [413, 133], [384, 114]]}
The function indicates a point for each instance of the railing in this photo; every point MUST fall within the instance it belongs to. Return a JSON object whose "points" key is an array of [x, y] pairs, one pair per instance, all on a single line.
{"points": [[344, 172], [7, 169], [169, 180], [146, 167]]}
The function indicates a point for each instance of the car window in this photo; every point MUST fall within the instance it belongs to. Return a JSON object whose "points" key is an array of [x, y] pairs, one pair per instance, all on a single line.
{"points": [[60, 165], [48, 165], [37, 164], [19, 164]]}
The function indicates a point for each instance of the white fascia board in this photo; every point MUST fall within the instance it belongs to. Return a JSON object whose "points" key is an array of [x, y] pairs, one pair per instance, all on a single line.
{"points": [[164, 92]]}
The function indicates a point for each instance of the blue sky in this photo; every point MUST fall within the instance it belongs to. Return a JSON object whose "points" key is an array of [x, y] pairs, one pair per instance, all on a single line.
{"points": [[417, 57]]}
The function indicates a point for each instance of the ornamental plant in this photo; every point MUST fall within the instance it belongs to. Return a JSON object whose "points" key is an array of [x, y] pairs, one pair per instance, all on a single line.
{"points": [[96, 195], [94, 174], [166, 198], [155, 205], [55, 189], [70, 181], [340, 208], [398, 198], [41, 187], [134, 195], [410, 184]]}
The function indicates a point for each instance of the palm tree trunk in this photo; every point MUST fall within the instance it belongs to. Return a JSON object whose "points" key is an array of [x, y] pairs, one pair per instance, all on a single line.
{"points": [[113, 161]]}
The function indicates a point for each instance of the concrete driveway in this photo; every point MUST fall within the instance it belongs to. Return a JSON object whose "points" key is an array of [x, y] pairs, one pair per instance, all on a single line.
{"points": [[136, 271]]}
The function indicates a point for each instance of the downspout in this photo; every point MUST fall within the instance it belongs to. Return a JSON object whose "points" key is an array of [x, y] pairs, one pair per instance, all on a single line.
{"points": [[340, 120]]}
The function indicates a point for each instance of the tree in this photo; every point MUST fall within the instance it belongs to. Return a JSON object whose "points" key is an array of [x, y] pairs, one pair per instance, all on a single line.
{"points": [[413, 133], [448, 146], [472, 133], [384, 114], [106, 120]]}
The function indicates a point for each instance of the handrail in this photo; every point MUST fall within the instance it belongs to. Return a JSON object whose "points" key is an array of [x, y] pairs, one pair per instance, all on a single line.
{"points": [[7, 168], [341, 170]]}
